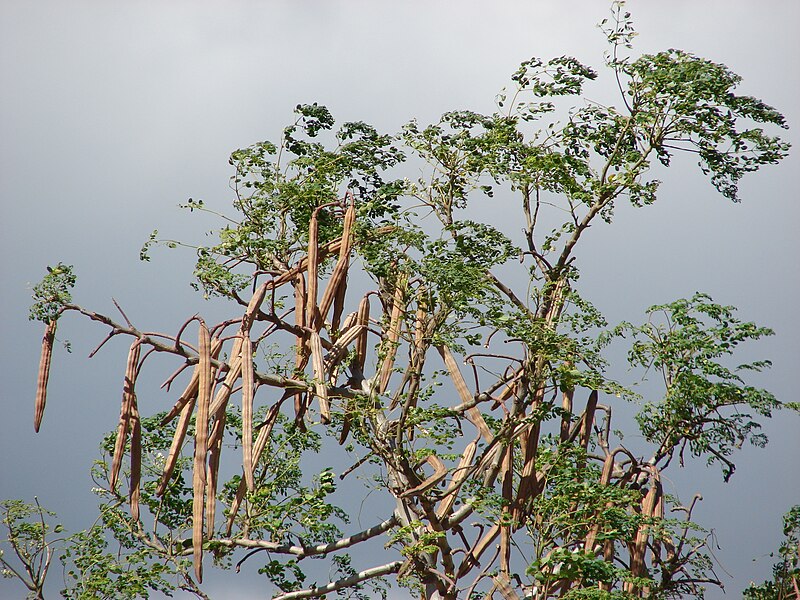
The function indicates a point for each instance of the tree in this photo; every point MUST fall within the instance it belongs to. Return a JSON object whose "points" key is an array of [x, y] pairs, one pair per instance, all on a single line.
{"points": [[458, 370]]}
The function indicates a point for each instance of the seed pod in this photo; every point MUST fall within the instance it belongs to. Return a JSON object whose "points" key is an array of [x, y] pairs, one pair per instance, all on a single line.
{"points": [[212, 472], [44, 374], [473, 414], [258, 449], [313, 270], [361, 346], [200, 448], [392, 336], [136, 460], [190, 393], [247, 409], [338, 281], [128, 400], [177, 444], [319, 377]]}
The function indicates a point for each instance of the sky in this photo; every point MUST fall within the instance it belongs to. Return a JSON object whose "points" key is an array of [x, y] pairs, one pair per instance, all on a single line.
{"points": [[112, 113]]}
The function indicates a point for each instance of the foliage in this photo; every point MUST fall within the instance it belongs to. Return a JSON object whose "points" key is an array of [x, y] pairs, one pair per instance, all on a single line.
{"points": [[29, 537], [785, 584], [52, 293], [358, 299]]}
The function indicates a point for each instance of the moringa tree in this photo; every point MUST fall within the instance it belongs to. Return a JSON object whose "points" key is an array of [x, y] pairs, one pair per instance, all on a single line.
{"points": [[381, 343]]}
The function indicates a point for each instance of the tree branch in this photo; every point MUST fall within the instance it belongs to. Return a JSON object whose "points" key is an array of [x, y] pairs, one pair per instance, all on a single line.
{"points": [[317, 592], [303, 552]]}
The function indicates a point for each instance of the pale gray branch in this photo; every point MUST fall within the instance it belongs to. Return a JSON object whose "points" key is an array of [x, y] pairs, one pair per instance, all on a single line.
{"points": [[318, 592], [312, 550]]}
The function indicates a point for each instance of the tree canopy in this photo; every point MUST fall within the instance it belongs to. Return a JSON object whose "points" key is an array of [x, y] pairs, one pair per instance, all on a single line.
{"points": [[382, 344]]}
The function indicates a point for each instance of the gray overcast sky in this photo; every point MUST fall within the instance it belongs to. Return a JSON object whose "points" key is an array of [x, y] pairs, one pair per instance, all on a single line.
{"points": [[112, 113]]}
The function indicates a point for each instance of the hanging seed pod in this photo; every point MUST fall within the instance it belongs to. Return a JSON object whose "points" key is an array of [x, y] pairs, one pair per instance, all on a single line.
{"points": [[212, 471], [319, 377], [392, 336], [473, 414], [338, 280], [177, 444], [200, 448], [313, 271], [44, 374], [234, 371], [459, 477], [128, 400], [136, 461], [247, 409], [190, 393], [258, 449], [361, 346]]}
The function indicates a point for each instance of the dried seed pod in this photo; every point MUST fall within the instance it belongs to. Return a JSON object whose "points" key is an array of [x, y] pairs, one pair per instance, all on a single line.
{"points": [[200, 448], [459, 477], [473, 414], [177, 444], [339, 349], [313, 270], [190, 393], [258, 449], [319, 377], [212, 472], [136, 461], [338, 281], [392, 336], [361, 346], [247, 409], [128, 400], [44, 374], [234, 371]]}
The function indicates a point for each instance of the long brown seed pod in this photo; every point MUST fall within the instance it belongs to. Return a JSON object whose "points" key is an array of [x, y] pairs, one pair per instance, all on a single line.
{"points": [[247, 409], [459, 476], [190, 392], [338, 304], [258, 449], [361, 346], [184, 406], [212, 473], [200, 448], [254, 305], [300, 318], [128, 398], [177, 444], [246, 361], [234, 370], [346, 422], [313, 270], [339, 349], [392, 336], [136, 460], [473, 414], [588, 419], [44, 374], [319, 377], [339, 276], [439, 473]]}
